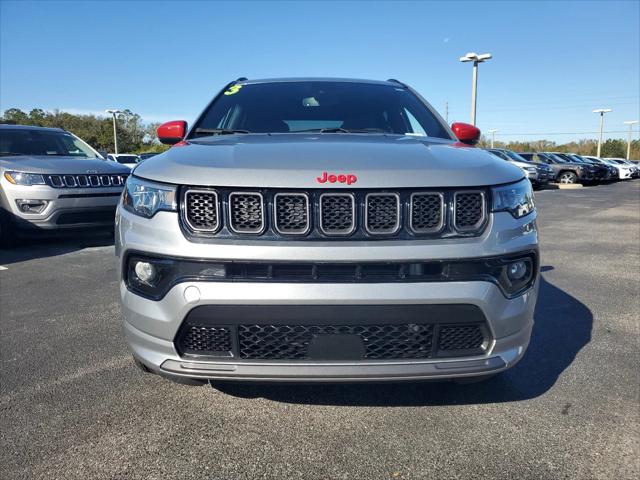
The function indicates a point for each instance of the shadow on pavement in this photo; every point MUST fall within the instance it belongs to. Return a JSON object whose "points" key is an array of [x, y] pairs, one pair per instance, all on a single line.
{"points": [[562, 327], [30, 248]]}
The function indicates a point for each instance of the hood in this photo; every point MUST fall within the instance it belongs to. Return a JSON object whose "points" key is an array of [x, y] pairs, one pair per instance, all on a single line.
{"points": [[298, 160], [60, 165]]}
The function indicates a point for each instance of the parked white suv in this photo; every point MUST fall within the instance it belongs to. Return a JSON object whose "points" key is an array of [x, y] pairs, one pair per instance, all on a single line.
{"points": [[52, 180]]}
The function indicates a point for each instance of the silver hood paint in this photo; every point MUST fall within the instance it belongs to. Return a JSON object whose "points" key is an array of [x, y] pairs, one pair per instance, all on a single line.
{"points": [[295, 160], [60, 165]]}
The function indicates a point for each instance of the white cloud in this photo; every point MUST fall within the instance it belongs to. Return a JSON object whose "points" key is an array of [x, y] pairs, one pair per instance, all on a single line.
{"points": [[445, 40]]}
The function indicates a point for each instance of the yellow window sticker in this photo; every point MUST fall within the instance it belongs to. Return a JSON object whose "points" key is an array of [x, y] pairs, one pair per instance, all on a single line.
{"points": [[233, 89]]}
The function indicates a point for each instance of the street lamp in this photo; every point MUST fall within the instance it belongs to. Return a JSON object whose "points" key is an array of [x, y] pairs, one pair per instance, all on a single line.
{"points": [[493, 136], [631, 123], [601, 111], [114, 112], [476, 59]]}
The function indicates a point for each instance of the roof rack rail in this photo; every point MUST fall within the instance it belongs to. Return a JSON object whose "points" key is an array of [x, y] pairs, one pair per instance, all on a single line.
{"points": [[396, 81]]}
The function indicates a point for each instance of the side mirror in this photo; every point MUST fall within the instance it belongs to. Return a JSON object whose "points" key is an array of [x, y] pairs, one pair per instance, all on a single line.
{"points": [[173, 132], [466, 133]]}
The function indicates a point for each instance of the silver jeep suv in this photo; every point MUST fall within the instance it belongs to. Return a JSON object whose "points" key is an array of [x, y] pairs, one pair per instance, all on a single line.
{"points": [[325, 230], [52, 180]]}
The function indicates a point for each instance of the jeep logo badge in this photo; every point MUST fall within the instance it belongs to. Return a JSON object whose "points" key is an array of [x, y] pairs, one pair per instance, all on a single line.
{"points": [[340, 178], [92, 171]]}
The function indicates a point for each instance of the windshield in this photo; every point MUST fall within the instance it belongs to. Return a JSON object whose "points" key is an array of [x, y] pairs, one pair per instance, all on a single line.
{"points": [[15, 141], [337, 107], [515, 156], [556, 157]]}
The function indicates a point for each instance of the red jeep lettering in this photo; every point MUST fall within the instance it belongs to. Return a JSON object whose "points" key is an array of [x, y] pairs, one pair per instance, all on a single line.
{"points": [[340, 178]]}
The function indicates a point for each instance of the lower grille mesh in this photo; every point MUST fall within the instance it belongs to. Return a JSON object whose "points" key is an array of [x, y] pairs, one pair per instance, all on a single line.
{"points": [[460, 337], [280, 342], [206, 339], [293, 341]]}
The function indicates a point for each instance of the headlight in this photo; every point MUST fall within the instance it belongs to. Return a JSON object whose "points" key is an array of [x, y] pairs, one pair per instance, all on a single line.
{"points": [[531, 169], [21, 178], [145, 198], [517, 199]]}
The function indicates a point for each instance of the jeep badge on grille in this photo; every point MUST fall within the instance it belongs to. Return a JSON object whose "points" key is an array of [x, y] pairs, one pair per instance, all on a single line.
{"points": [[333, 178]]}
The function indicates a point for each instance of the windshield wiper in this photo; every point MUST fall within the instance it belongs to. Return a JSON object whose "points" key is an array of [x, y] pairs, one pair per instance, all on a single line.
{"points": [[220, 131], [12, 154], [342, 130]]}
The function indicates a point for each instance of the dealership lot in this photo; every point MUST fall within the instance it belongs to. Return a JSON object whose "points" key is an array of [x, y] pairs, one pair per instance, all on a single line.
{"points": [[73, 405]]}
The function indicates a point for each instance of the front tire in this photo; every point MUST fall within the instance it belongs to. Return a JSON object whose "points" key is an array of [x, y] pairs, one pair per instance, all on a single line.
{"points": [[567, 177]]}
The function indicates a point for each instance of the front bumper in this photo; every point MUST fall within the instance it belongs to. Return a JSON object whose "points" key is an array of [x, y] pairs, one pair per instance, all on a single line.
{"points": [[151, 326], [66, 207]]}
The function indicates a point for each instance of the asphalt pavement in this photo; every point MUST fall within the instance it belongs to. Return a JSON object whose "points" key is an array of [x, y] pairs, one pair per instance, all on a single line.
{"points": [[73, 406]]}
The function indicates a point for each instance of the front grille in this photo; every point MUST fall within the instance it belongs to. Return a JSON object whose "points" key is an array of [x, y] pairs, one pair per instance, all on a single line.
{"points": [[427, 212], [202, 212], [291, 213], [321, 214], [382, 213], [337, 213], [85, 181], [246, 212], [468, 210]]}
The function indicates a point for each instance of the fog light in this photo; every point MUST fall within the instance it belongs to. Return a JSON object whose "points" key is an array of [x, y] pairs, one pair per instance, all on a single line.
{"points": [[145, 272], [31, 206], [517, 270]]}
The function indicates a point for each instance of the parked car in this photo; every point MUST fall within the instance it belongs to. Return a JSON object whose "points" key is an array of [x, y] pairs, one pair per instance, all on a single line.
{"points": [[304, 240], [564, 170], [538, 175], [53, 180], [126, 159], [624, 171], [601, 173], [613, 173], [635, 170]]}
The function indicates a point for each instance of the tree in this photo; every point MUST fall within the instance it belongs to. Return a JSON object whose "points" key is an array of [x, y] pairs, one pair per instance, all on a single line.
{"points": [[133, 134], [614, 148]]}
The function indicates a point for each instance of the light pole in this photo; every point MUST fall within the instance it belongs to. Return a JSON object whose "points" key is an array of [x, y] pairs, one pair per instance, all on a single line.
{"points": [[476, 59], [493, 136], [114, 112], [601, 111], [631, 123]]}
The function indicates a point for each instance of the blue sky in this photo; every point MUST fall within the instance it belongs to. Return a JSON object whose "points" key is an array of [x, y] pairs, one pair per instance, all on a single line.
{"points": [[554, 62]]}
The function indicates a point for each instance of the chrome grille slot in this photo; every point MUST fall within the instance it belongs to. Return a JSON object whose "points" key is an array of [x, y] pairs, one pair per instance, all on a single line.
{"points": [[83, 181], [246, 212], [116, 180], [105, 180], [382, 213], [70, 181], [337, 213], [56, 181], [94, 180], [468, 210], [291, 213], [426, 212], [202, 211]]}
